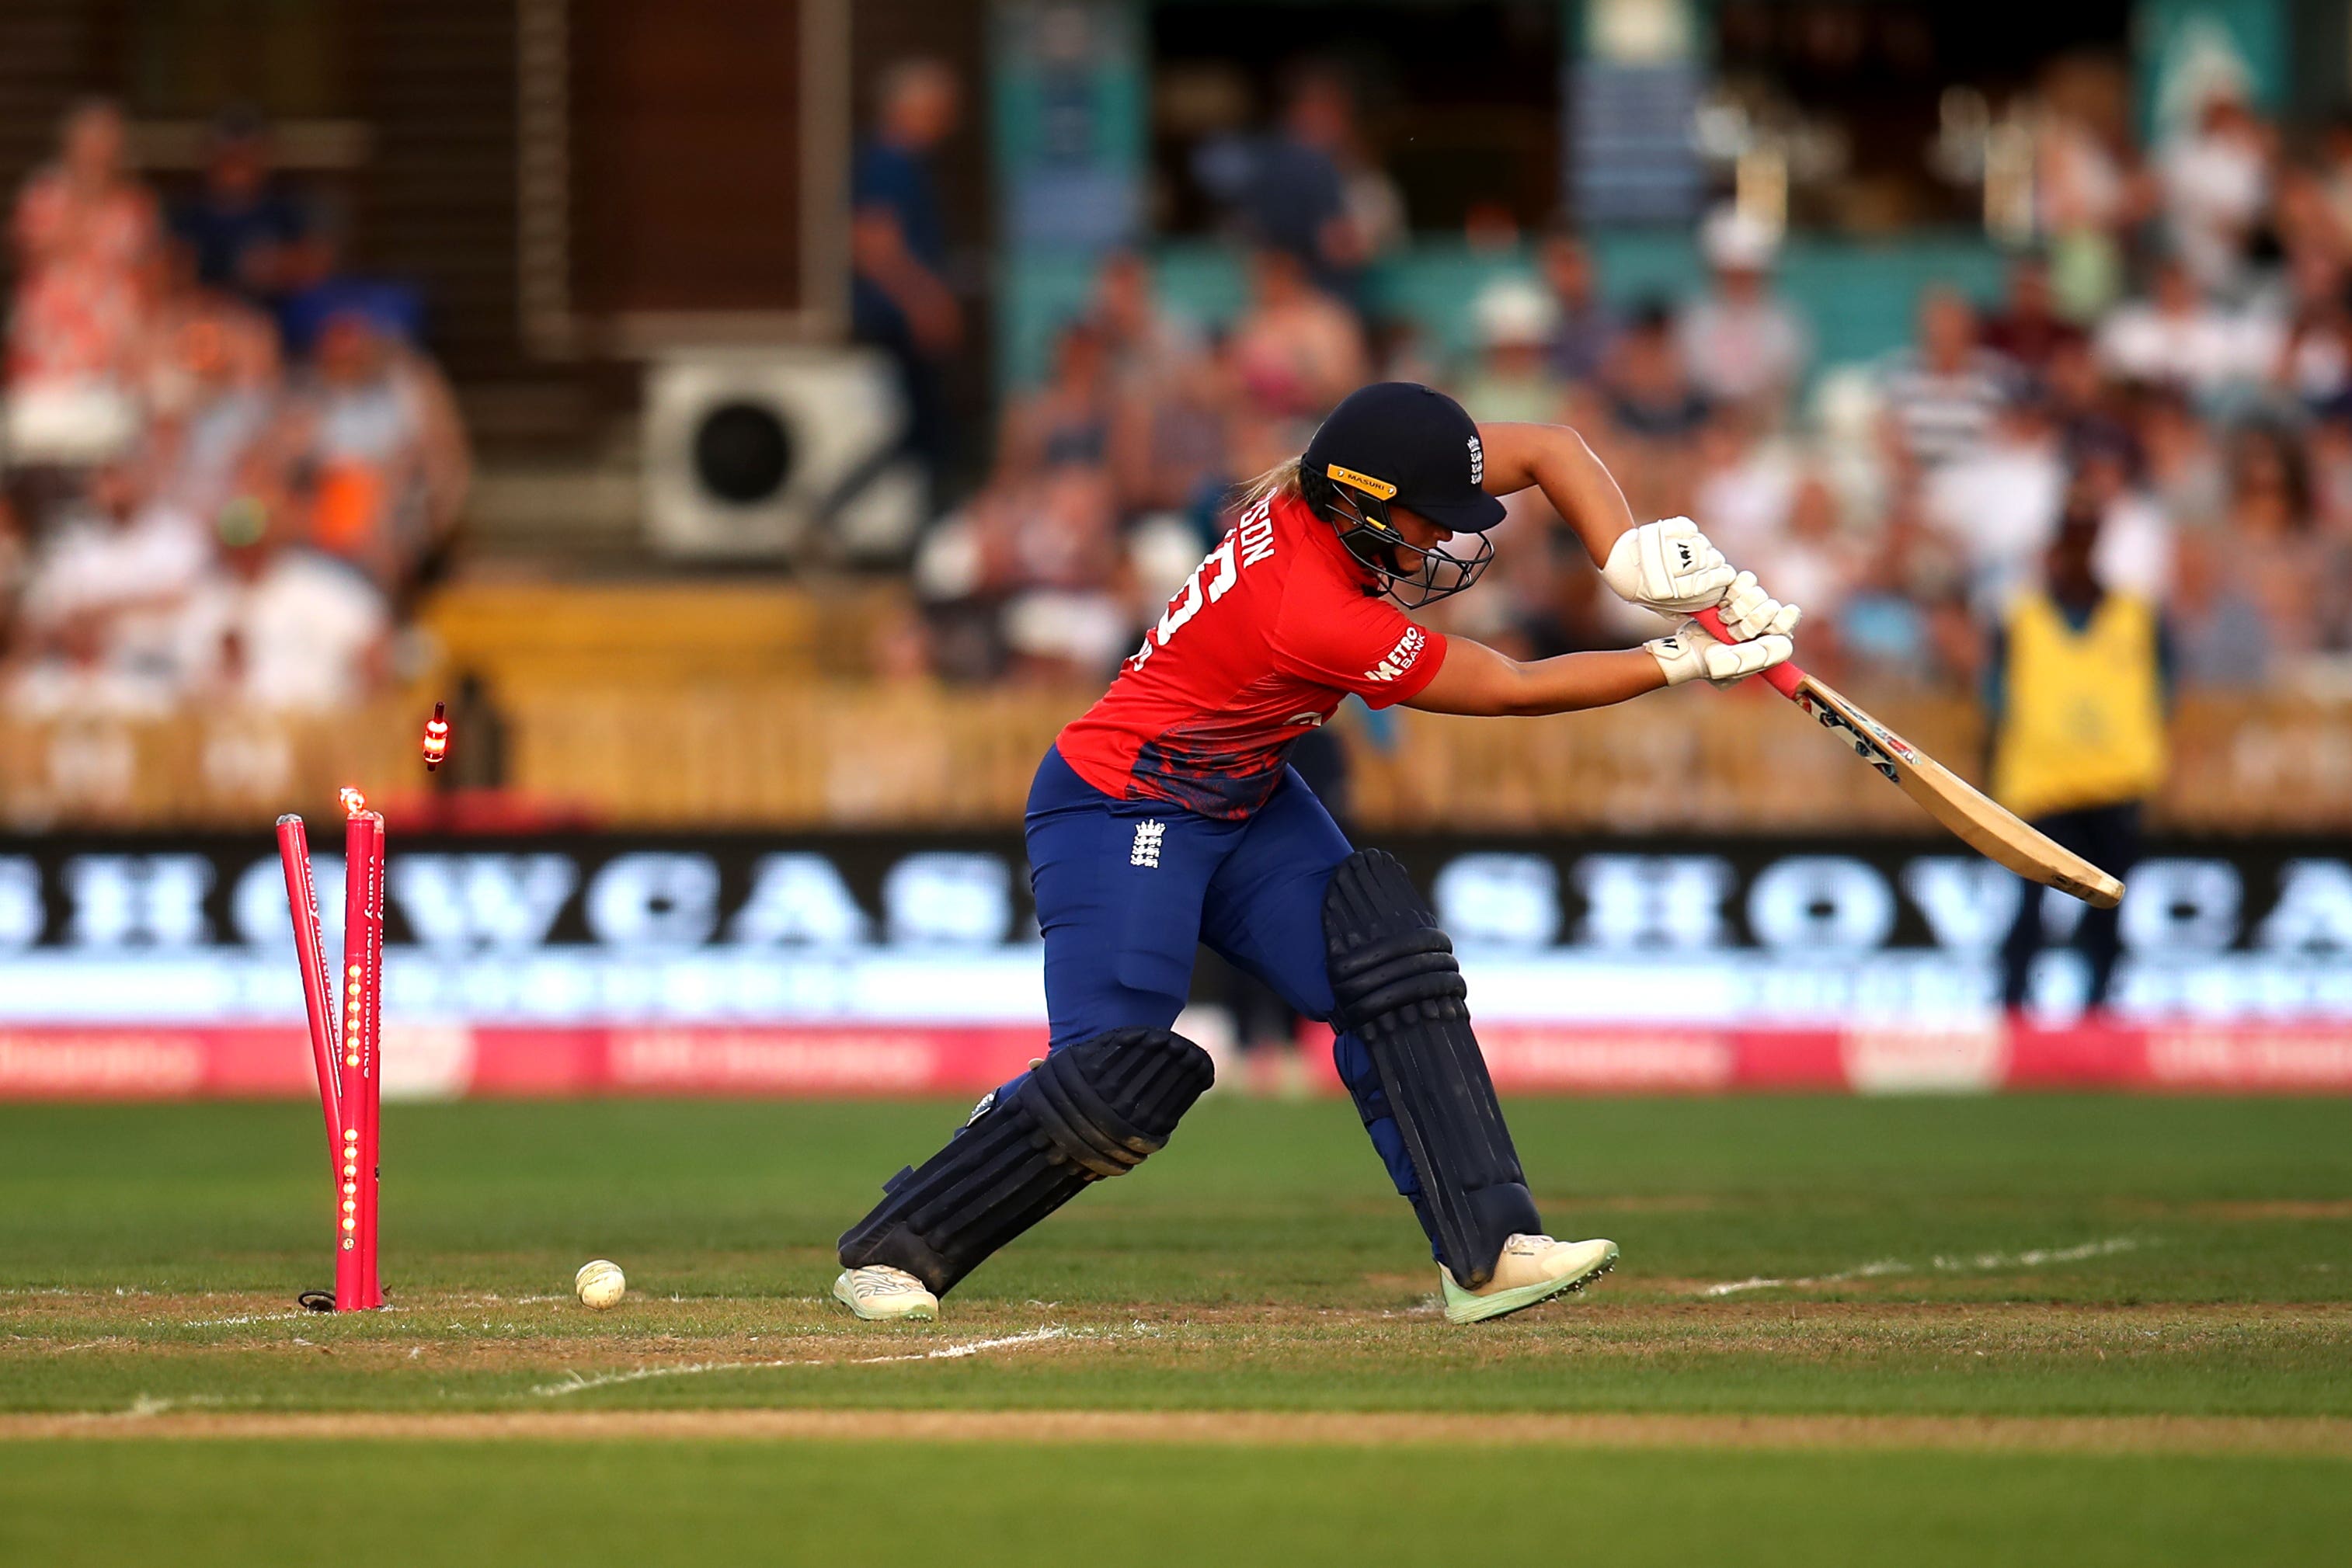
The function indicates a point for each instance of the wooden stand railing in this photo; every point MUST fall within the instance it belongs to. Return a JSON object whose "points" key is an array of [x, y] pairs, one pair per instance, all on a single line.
{"points": [[790, 755]]}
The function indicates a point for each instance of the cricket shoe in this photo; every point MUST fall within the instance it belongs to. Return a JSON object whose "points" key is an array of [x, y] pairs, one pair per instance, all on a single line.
{"points": [[1531, 1268], [879, 1293]]}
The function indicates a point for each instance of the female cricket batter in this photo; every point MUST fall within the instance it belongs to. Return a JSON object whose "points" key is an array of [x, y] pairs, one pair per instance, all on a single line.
{"points": [[1166, 817]]}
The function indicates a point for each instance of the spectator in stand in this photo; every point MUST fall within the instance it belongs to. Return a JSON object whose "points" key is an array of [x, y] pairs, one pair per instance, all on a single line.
{"points": [[100, 599], [1575, 614], [2222, 632], [1400, 350], [211, 381], [1742, 343], [2078, 687], [12, 554], [2216, 183], [2327, 452], [250, 236], [1294, 198], [82, 230], [277, 625], [1065, 422], [1888, 626], [1296, 350], [2083, 404], [1027, 580], [1169, 409], [2028, 331], [1171, 450], [1651, 396], [2335, 172], [2000, 505], [1147, 341], [1941, 397], [1378, 223], [2316, 351], [2177, 337], [2182, 467], [2087, 190], [1814, 552], [2301, 226], [1745, 485], [1490, 229], [1653, 417], [1587, 328], [2135, 545], [374, 429], [2274, 555], [900, 301], [1512, 378]]}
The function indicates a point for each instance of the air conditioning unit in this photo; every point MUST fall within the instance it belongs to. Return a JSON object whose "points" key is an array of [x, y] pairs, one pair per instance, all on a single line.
{"points": [[777, 454]]}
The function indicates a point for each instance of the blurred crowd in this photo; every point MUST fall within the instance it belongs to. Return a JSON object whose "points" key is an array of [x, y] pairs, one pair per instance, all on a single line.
{"points": [[229, 464], [2172, 362]]}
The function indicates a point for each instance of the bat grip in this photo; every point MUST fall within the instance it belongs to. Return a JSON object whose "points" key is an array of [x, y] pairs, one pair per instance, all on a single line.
{"points": [[1781, 677]]}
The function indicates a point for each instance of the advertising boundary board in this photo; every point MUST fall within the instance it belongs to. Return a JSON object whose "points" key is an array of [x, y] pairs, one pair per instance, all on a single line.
{"points": [[270, 1062], [900, 964]]}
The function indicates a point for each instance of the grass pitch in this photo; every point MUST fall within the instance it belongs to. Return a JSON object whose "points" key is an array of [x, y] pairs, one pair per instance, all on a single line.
{"points": [[1818, 1298]]}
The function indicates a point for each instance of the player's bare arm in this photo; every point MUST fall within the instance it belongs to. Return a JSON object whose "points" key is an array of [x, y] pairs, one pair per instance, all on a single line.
{"points": [[1476, 679], [1556, 459], [1668, 566]]}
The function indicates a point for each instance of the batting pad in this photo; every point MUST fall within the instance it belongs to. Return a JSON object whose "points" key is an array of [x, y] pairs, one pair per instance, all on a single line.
{"points": [[1400, 991], [1089, 1111]]}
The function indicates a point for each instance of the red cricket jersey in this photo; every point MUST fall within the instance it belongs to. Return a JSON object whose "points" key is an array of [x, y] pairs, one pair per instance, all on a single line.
{"points": [[1259, 646]]}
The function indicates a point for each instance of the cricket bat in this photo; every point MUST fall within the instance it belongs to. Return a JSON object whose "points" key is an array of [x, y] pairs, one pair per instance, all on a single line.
{"points": [[1990, 830]]}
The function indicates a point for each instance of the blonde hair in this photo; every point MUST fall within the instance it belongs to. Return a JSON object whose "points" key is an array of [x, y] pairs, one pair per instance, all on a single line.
{"points": [[1282, 479]]}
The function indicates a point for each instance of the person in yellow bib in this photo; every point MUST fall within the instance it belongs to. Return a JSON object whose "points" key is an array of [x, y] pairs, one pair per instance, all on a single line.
{"points": [[2079, 689]]}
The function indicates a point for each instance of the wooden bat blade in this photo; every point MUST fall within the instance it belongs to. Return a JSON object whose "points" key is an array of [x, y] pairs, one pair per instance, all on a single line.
{"points": [[1990, 828], [1984, 825]]}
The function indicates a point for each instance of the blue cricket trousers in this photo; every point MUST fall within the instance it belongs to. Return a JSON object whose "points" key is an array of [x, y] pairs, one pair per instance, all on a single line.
{"points": [[1128, 890]]}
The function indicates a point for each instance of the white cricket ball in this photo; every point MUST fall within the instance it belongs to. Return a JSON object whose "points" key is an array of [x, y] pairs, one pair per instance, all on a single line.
{"points": [[600, 1284]]}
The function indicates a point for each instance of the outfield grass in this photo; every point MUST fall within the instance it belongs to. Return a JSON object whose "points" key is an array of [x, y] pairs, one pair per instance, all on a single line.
{"points": [[459, 1505], [2133, 1260]]}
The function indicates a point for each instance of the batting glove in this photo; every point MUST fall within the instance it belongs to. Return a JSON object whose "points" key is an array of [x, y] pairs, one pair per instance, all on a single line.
{"points": [[1690, 654], [1748, 611], [1668, 567]]}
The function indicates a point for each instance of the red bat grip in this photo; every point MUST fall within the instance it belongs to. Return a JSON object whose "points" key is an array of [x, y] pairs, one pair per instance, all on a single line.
{"points": [[1781, 677]]}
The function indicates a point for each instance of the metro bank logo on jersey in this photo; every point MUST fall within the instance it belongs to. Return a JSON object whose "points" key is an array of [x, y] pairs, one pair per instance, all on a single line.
{"points": [[1401, 658]]}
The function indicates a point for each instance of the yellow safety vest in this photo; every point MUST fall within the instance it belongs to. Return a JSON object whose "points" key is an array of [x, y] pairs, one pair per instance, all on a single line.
{"points": [[2083, 725]]}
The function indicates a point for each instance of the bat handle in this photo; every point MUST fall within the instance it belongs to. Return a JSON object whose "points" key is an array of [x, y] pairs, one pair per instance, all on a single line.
{"points": [[1781, 677]]}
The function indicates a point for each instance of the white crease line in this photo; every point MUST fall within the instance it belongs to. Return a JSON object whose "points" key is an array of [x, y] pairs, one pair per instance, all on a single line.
{"points": [[1942, 1264], [250, 1318], [956, 1352], [577, 1383], [2040, 1256], [147, 1404], [1758, 1282]]}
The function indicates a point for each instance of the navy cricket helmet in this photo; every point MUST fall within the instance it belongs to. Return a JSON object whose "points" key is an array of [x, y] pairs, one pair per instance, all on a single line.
{"points": [[1402, 444]]}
